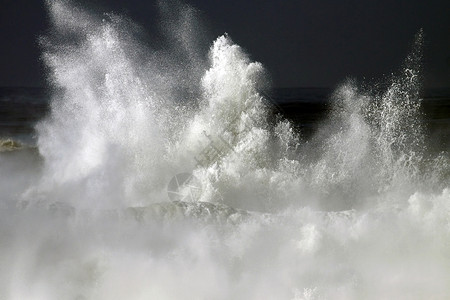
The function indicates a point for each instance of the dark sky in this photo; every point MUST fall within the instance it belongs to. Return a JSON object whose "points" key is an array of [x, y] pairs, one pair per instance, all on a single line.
{"points": [[301, 42]]}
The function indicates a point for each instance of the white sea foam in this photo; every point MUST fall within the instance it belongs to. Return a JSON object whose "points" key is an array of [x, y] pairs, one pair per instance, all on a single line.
{"points": [[358, 212]]}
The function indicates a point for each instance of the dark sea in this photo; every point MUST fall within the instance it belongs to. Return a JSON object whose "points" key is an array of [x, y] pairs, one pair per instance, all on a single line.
{"points": [[22, 107]]}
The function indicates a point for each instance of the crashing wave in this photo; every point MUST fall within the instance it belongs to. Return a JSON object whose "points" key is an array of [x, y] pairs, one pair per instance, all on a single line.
{"points": [[125, 119]]}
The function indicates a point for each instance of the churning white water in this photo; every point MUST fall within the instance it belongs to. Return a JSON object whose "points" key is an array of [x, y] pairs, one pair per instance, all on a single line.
{"points": [[359, 211]]}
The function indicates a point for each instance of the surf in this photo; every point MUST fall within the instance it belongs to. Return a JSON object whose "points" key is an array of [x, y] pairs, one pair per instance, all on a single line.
{"points": [[357, 210]]}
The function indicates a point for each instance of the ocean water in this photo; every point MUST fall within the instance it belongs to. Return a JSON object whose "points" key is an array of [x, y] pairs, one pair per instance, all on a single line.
{"points": [[174, 173]]}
